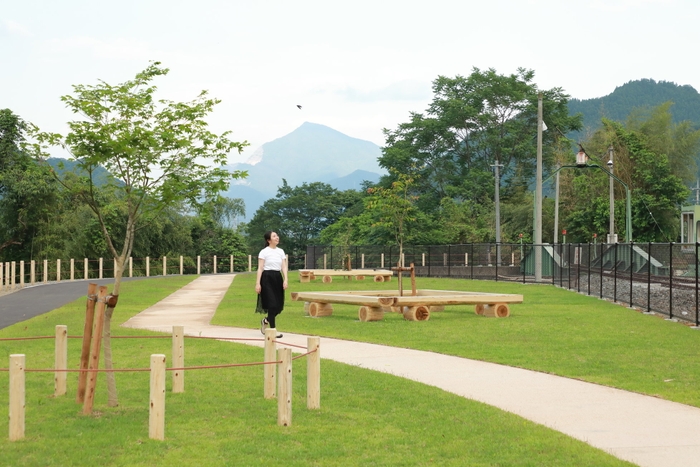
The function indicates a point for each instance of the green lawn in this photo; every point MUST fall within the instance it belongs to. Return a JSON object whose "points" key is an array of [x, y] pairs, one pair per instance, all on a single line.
{"points": [[367, 418], [555, 331]]}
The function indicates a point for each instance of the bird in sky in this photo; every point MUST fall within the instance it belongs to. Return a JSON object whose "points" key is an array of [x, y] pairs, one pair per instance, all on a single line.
{"points": [[298, 107]]}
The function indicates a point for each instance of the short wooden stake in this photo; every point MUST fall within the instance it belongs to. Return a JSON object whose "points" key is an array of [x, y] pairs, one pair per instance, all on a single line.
{"points": [[87, 339], [178, 360], [95, 346], [17, 396], [165, 266], [284, 387], [313, 373], [269, 373], [60, 360], [156, 415], [21, 274], [58, 270]]}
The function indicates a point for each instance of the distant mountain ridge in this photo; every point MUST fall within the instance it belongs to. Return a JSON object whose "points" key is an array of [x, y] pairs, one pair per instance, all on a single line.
{"points": [[311, 153], [634, 94]]}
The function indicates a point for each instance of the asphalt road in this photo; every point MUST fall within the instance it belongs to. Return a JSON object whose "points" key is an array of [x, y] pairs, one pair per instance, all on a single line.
{"points": [[39, 299]]}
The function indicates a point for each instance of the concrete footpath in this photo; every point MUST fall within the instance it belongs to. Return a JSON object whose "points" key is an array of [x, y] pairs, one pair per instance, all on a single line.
{"points": [[641, 429]]}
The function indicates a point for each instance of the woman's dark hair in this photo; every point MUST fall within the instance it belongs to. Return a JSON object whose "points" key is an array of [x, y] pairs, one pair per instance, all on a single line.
{"points": [[267, 236]]}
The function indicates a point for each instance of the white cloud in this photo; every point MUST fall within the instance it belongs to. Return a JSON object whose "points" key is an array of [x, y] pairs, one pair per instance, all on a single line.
{"points": [[16, 29]]}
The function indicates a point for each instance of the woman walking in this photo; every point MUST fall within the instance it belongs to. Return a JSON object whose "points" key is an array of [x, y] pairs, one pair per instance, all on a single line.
{"points": [[271, 281]]}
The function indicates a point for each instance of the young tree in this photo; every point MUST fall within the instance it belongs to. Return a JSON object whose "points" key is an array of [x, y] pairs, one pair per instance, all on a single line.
{"points": [[395, 208], [160, 152]]}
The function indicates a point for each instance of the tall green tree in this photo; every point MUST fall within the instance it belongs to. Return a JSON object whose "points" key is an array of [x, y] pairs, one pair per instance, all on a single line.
{"points": [[473, 123], [299, 214], [29, 194], [160, 152]]}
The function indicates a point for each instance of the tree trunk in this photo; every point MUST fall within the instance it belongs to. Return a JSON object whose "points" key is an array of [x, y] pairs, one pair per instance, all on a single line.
{"points": [[112, 399]]}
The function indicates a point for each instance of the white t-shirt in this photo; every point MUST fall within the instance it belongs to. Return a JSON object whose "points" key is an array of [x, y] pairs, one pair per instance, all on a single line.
{"points": [[274, 258]]}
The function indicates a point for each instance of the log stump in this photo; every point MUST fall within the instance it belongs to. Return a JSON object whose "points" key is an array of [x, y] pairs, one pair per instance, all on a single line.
{"points": [[371, 313], [327, 279], [360, 278], [378, 278], [317, 310], [499, 310], [304, 277], [417, 313], [479, 309]]}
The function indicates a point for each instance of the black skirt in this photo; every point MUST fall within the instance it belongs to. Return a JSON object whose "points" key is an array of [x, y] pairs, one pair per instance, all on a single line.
{"points": [[271, 292]]}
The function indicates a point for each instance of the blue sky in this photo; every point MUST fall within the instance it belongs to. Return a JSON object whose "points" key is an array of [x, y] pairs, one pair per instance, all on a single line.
{"points": [[355, 66]]}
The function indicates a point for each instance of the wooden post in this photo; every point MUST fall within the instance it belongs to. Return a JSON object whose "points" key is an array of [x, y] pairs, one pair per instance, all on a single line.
{"points": [[362, 262], [325, 261], [250, 263], [382, 261], [181, 266], [423, 259], [178, 359], [199, 264], [13, 272], [85, 268], [214, 264], [21, 274], [72, 269], [32, 272], [99, 275], [2, 285], [313, 373], [284, 387], [114, 267], [58, 270], [231, 270], [156, 414], [269, 373], [131, 266], [94, 362], [60, 360], [46, 270], [17, 397], [148, 266], [165, 266], [87, 339]]}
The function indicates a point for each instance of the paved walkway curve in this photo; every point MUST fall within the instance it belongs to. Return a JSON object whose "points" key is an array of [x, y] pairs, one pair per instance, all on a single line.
{"points": [[641, 429]]}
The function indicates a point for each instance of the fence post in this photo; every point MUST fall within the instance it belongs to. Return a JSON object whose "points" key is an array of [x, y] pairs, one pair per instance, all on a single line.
{"points": [[156, 413], [199, 265], [17, 396], [284, 387], [670, 282], [60, 360], [114, 267], [32, 272], [58, 270], [46, 270], [214, 264], [148, 266], [231, 261], [85, 268], [181, 266], [615, 274], [101, 268], [363, 261], [649, 279], [269, 374], [382, 259], [325, 261], [250, 263], [178, 359], [72, 269], [131, 266], [21, 274], [313, 373], [631, 272]]}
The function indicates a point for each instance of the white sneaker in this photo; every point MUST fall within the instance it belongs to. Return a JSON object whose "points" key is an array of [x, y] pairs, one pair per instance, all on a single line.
{"points": [[264, 325]]}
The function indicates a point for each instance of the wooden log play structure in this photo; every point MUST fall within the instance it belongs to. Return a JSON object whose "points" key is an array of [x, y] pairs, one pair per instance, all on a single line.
{"points": [[326, 275], [374, 303]]}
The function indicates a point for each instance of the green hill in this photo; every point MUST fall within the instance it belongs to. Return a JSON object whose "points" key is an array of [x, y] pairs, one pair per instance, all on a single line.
{"points": [[634, 94]]}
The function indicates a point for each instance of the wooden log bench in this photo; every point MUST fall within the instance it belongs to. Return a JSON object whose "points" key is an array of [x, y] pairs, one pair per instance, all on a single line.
{"points": [[374, 303], [379, 275]]}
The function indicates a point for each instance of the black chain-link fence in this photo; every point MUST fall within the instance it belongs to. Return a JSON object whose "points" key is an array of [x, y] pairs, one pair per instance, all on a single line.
{"points": [[653, 277]]}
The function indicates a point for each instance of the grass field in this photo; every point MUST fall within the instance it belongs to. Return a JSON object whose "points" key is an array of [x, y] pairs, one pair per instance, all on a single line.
{"points": [[367, 418]]}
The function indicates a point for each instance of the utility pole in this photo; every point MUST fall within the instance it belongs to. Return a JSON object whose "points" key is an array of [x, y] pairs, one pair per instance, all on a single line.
{"points": [[497, 199], [556, 208], [538, 195], [611, 236]]}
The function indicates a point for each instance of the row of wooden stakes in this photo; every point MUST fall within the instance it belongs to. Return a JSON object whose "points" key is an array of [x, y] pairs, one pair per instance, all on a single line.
{"points": [[277, 380]]}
